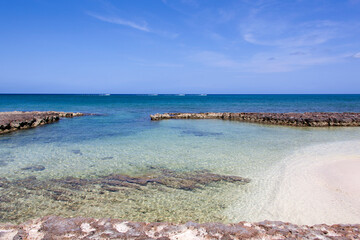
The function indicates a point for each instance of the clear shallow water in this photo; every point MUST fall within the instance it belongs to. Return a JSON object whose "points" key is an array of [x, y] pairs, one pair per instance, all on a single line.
{"points": [[125, 141]]}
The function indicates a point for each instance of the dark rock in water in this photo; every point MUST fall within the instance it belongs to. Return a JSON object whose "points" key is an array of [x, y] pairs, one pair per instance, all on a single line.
{"points": [[198, 133], [106, 158], [72, 183], [308, 119], [68, 193], [34, 168], [164, 177], [52, 227], [3, 182], [60, 198], [13, 121], [110, 189], [173, 179], [5, 199], [77, 151], [5, 158], [5, 154], [3, 163]]}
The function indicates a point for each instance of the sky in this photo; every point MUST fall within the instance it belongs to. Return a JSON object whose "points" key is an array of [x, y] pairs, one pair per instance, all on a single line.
{"points": [[180, 46]]}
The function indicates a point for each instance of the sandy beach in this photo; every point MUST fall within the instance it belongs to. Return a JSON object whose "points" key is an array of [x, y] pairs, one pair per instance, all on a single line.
{"points": [[342, 179], [321, 184]]}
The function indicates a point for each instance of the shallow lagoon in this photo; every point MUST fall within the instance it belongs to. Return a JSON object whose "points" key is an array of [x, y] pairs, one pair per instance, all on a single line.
{"points": [[125, 141]]}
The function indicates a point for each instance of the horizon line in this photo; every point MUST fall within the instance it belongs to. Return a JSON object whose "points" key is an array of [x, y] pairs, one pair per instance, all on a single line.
{"points": [[182, 94]]}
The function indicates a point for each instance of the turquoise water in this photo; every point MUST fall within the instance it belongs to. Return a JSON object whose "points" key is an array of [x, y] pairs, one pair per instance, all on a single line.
{"points": [[123, 140]]}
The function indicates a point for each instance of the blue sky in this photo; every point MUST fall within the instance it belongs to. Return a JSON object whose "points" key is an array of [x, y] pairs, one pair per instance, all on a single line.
{"points": [[180, 46]]}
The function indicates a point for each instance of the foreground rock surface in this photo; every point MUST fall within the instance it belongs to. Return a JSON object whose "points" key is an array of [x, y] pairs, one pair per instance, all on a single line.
{"points": [[52, 227], [13, 121], [309, 119]]}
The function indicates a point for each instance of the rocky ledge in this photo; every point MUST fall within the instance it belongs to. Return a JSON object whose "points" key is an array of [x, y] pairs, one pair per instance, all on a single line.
{"points": [[309, 119], [13, 121], [52, 227]]}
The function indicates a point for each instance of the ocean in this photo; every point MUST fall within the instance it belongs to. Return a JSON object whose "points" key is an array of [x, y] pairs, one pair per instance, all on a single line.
{"points": [[37, 166]]}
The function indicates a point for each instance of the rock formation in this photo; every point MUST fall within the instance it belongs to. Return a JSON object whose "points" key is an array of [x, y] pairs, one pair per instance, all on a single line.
{"points": [[309, 119], [57, 228], [13, 121]]}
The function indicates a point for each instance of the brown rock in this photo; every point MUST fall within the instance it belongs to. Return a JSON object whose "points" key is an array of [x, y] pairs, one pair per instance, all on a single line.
{"points": [[13, 121], [308, 119], [89, 228]]}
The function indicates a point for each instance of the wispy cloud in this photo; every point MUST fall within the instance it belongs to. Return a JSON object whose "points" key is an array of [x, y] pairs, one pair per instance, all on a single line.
{"points": [[193, 3], [138, 26], [262, 32], [286, 62], [115, 20], [270, 23], [215, 59], [266, 62], [356, 55], [158, 64]]}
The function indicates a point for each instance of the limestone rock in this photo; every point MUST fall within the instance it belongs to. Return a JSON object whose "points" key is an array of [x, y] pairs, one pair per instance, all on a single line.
{"points": [[13, 121], [53, 227], [308, 119]]}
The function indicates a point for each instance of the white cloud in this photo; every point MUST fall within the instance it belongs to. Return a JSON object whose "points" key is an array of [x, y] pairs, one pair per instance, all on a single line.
{"points": [[116, 20], [282, 34], [266, 62], [215, 59], [286, 62], [159, 64], [142, 27], [356, 55]]}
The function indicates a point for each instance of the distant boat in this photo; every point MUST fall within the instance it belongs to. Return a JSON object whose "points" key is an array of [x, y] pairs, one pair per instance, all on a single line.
{"points": [[203, 95], [181, 94], [153, 94], [105, 94]]}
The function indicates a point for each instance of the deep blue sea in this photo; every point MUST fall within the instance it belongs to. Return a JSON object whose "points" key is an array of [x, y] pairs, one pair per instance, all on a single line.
{"points": [[123, 140], [129, 114]]}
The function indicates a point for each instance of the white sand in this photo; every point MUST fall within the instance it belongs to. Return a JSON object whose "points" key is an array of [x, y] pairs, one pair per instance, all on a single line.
{"points": [[321, 184], [317, 184], [342, 179]]}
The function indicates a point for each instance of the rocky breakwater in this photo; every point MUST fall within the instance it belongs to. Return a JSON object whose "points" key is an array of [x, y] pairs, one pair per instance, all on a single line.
{"points": [[13, 121], [308, 119], [52, 227]]}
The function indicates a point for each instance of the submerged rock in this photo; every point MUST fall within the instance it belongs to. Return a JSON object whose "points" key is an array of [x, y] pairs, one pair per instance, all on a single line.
{"points": [[198, 133], [34, 168], [3, 163], [309, 119], [76, 151], [71, 194], [53, 227], [173, 179]]}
